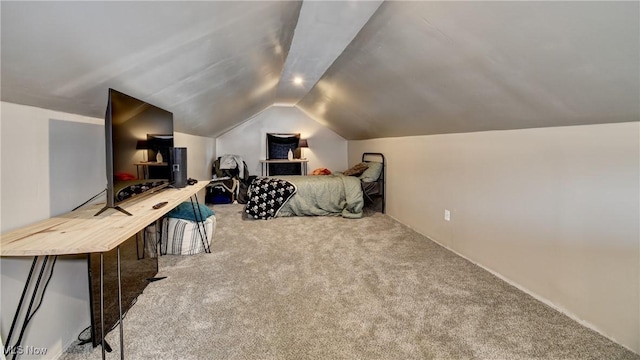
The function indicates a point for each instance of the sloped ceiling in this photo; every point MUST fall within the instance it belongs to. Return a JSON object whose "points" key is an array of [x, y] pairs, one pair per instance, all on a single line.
{"points": [[447, 67], [213, 64], [324, 30], [372, 70]]}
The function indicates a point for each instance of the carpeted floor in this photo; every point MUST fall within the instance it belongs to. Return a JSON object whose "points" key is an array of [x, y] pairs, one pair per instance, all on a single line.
{"points": [[333, 288]]}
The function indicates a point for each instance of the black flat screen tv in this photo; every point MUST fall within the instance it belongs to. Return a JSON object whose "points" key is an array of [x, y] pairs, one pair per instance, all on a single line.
{"points": [[135, 133]]}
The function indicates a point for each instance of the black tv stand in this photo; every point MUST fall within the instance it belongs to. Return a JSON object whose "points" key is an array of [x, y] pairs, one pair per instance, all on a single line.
{"points": [[113, 207], [107, 347]]}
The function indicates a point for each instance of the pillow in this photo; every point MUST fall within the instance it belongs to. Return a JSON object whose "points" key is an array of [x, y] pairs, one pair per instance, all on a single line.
{"points": [[321, 171], [185, 211], [356, 170], [123, 176], [372, 173]]}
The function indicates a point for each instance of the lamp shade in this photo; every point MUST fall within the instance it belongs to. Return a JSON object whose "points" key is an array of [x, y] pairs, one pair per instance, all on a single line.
{"points": [[142, 145], [303, 143]]}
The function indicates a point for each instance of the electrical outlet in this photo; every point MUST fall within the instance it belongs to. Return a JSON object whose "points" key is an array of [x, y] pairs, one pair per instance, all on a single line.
{"points": [[447, 215]]}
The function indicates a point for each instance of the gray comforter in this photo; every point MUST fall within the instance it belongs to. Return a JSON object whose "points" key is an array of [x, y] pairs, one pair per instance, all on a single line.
{"points": [[324, 195]]}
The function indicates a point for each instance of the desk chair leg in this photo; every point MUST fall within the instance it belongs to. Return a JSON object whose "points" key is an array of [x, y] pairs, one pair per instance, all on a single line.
{"points": [[29, 314]]}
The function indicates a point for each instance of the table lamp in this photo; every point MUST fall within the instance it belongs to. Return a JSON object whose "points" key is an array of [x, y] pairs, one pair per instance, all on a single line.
{"points": [[302, 144], [143, 145]]}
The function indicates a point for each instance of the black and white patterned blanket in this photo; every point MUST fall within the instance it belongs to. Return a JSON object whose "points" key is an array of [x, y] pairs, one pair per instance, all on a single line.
{"points": [[266, 197]]}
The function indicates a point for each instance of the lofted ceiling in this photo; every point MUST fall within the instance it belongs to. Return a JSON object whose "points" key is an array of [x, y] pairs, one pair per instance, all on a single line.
{"points": [[369, 69]]}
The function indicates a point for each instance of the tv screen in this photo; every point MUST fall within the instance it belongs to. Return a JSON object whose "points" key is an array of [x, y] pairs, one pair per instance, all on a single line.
{"points": [[138, 138]]}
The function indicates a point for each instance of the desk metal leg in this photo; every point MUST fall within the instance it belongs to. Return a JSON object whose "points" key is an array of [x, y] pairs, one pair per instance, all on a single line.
{"points": [[142, 235], [120, 307], [103, 333], [199, 216], [105, 346], [207, 248], [15, 317], [104, 355], [29, 314]]}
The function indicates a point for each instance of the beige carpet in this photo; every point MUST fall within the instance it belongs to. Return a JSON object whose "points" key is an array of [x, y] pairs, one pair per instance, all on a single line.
{"points": [[333, 288]]}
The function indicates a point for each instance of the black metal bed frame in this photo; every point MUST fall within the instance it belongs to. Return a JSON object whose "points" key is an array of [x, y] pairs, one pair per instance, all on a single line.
{"points": [[381, 179]]}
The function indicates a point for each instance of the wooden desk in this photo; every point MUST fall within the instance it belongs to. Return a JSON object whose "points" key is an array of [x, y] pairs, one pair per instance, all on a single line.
{"points": [[265, 165], [81, 232]]}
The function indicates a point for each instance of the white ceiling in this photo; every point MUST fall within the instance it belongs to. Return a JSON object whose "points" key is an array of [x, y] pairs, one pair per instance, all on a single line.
{"points": [[369, 69]]}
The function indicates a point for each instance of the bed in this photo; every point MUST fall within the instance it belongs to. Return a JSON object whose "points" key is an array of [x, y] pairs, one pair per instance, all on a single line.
{"points": [[339, 194]]}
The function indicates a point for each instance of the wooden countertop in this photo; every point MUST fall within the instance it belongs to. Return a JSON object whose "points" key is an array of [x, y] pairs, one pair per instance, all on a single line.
{"points": [[81, 232]]}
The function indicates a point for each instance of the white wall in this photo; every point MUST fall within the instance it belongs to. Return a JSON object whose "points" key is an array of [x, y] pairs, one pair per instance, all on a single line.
{"points": [[200, 156], [553, 210], [201, 153], [326, 148], [25, 197]]}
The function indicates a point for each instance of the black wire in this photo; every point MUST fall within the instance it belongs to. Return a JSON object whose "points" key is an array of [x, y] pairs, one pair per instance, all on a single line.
{"points": [[88, 340], [84, 203], [84, 341], [124, 314]]}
